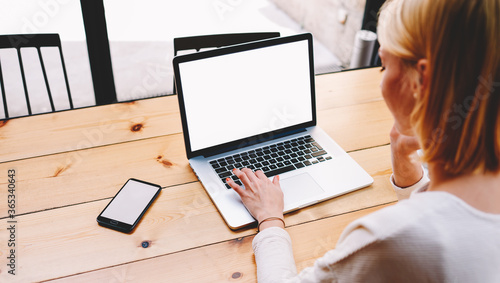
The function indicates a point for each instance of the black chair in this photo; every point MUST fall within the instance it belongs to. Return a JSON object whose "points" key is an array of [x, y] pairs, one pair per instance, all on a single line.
{"points": [[37, 41], [217, 40]]}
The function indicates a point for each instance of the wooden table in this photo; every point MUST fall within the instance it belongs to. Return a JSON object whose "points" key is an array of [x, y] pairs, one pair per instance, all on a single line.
{"points": [[69, 164]]}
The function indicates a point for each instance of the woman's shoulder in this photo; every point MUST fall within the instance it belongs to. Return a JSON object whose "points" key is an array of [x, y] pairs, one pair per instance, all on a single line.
{"points": [[425, 211]]}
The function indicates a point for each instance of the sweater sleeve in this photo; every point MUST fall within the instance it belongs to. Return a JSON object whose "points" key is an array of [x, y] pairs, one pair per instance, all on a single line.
{"points": [[404, 193], [275, 262]]}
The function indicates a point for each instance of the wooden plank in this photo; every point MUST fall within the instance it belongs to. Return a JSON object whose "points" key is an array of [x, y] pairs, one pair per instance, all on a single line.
{"points": [[89, 127], [348, 88], [66, 241], [228, 261], [103, 125], [358, 126], [97, 173]]}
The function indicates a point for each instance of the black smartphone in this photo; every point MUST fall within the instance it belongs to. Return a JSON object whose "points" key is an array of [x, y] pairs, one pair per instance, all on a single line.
{"points": [[128, 206]]}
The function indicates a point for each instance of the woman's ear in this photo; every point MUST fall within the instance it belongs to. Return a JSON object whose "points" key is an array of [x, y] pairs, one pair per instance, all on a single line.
{"points": [[423, 73]]}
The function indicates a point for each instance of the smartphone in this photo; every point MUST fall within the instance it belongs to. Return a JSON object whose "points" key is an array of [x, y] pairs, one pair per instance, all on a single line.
{"points": [[128, 206]]}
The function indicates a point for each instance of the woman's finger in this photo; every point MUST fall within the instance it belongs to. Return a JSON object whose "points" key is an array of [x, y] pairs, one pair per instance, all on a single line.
{"points": [[244, 178], [250, 174], [276, 180], [260, 174], [236, 187]]}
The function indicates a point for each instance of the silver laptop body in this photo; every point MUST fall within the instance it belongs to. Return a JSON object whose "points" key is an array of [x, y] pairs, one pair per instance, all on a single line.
{"points": [[253, 105]]}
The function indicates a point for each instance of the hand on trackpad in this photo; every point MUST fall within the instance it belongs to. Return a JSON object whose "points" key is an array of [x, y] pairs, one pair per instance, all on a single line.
{"points": [[299, 188]]}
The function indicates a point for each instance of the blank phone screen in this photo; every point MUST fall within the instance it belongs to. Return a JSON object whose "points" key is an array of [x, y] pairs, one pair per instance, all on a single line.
{"points": [[129, 203]]}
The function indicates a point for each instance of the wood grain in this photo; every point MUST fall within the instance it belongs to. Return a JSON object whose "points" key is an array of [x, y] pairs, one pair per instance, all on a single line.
{"points": [[235, 257], [69, 165], [109, 124], [348, 88], [96, 173], [89, 127], [175, 222]]}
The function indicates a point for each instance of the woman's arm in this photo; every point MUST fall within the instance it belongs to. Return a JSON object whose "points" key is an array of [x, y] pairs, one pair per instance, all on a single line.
{"points": [[408, 173]]}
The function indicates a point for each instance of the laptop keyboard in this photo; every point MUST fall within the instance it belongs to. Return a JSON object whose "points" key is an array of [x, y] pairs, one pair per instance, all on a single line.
{"points": [[273, 160]]}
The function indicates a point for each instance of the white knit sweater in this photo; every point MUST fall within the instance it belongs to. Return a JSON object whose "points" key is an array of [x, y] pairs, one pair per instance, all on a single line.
{"points": [[430, 237]]}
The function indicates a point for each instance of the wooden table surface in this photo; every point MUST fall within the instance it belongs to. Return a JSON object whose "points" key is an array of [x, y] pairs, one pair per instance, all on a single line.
{"points": [[68, 165]]}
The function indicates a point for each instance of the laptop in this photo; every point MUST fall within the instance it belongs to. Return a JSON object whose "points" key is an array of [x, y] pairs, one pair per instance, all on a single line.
{"points": [[253, 105]]}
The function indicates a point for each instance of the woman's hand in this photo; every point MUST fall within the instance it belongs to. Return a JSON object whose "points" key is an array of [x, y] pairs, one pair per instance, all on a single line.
{"points": [[261, 197], [406, 165]]}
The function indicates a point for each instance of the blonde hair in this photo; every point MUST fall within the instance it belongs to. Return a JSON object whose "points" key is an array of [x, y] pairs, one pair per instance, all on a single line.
{"points": [[457, 117]]}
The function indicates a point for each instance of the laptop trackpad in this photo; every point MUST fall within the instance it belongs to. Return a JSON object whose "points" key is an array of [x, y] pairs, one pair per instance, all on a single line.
{"points": [[299, 188]]}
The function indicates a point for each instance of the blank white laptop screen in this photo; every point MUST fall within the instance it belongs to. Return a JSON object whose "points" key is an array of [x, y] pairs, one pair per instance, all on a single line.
{"points": [[239, 95]]}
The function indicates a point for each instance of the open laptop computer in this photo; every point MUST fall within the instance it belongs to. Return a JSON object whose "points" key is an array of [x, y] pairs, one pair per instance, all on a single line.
{"points": [[253, 105]]}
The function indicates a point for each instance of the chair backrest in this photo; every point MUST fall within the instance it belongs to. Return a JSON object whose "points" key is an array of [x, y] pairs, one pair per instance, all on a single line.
{"points": [[19, 41], [217, 40]]}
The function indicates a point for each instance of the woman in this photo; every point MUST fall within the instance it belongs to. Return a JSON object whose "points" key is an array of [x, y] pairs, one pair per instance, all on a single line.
{"points": [[442, 65]]}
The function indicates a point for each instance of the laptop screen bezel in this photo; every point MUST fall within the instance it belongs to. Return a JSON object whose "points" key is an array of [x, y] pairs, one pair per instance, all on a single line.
{"points": [[213, 150]]}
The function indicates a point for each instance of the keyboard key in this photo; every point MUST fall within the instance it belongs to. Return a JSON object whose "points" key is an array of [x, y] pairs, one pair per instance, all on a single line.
{"points": [[231, 161], [272, 167], [299, 165], [287, 162], [279, 159], [213, 162], [265, 169], [220, 170], [307, 163], [317, 145], [265, 163], [221, 160], [252, 155], [223, 163], [321, 159], [224, 175], [279, 171], [318, 153], [328, 157]]}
